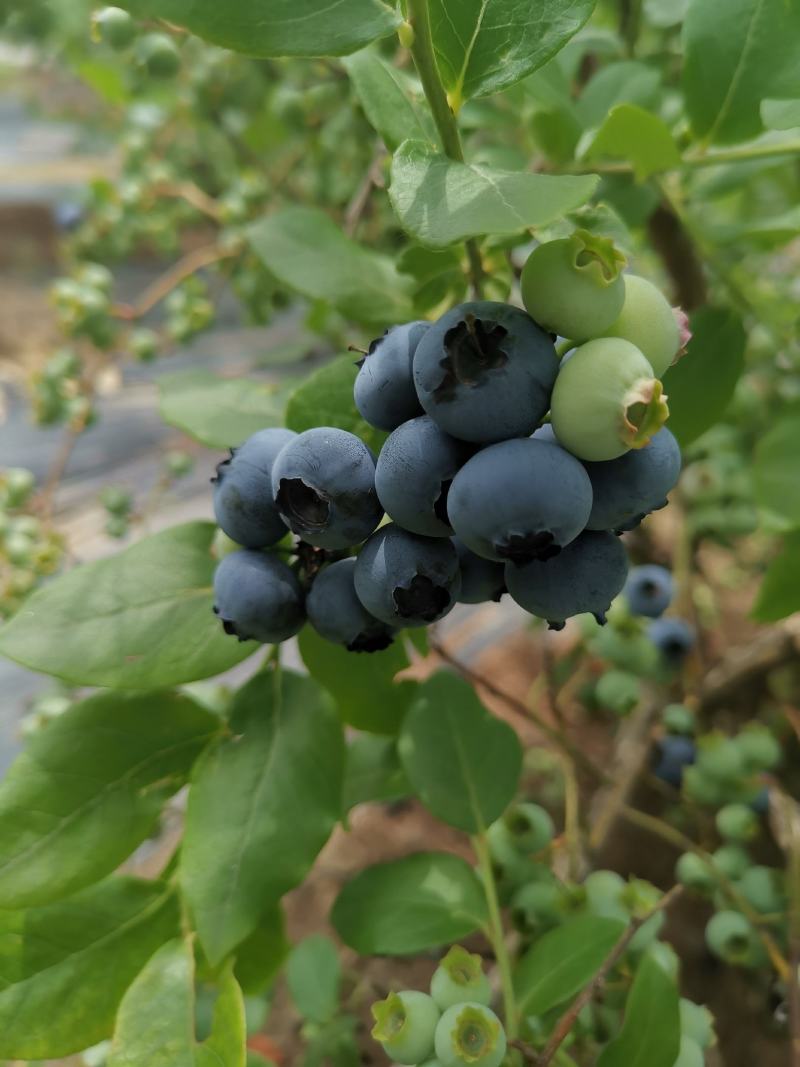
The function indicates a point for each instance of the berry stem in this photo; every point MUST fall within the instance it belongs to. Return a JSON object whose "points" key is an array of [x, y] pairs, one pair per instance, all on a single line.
{"points": [[496, 933], [425, 61]]}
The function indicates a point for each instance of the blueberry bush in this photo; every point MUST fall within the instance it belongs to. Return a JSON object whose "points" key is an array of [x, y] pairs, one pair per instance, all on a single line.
{"points": [[540, 264]]}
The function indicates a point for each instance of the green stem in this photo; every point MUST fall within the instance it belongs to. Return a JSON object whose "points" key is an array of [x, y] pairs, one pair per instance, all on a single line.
{"points": [[696, 160], [496, 933], [425, 62]]}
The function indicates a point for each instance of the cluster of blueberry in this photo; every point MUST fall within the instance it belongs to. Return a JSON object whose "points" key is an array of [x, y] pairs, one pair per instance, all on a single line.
{"points": [[454, 1023], [156, 52], [30, 550], [483, 496]]}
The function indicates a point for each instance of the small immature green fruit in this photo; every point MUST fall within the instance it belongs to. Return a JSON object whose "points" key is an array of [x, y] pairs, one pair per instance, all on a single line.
{"points": [[574, 286], [160, 55], [731, 861], [536, 906], [405, 1024], [470, 1034], [647, 321], [759, 748], [618, 691], [764, 889], [604, 890], [720, 758], [606, 400], [16, 486], [678, 719], [697, 1023], [737, 822], [530, 827], [459, 978], [115, 27], [730, 936], [695, 873]]}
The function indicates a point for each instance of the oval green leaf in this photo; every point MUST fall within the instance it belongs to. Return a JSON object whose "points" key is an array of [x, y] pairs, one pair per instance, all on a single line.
{"points": [[440, 201], [66, 966], [325, 398], [651, 1029], [462, 762], [88, 789], [313, 975], [262, 803], [775, 470], [779, 595], [410, 905], [139, 620]]}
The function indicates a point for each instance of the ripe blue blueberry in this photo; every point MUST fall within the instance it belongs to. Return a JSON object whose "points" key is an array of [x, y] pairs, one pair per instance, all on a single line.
{"points": [[323, 482], [648, 590], [584, 577], [413, 475], [384, 389], [257, 597], [243, 502], [519, 500], [481, 579], [338, 615], [673, 754], [674, 639], [458, 978], [405, 579], [405, 1024], [628, 488], [485, 371], [470, 1033]]}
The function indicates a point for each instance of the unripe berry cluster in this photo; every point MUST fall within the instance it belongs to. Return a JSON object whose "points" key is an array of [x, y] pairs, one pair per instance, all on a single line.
{"points": [[29, 549], [452, 1026], [484, 496]]}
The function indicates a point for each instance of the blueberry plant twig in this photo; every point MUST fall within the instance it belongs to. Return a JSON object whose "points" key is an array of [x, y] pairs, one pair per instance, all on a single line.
{"points": [[496, 933], [358, 205], [425, 61], [171, 279], [567, 1020]]}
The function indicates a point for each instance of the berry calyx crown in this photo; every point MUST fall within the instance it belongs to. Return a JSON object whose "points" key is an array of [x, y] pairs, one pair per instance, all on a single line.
{"points": [[644, 412], [596, 256]]}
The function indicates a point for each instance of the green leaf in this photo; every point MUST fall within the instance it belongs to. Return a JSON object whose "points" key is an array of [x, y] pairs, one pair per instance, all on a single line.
{"points": [[219, 412], [156, 1020], [563, 960], [483, 46], [638, 136], [226, 1046], [106, 79], [325, 398], [373, 771], [738, 53], [625, 82], [67, 965], [260, 956], [410, 905], [775, 477], [155, 1024], [701, 384], [139, 620], [88, 789], [261, 805], [363, 686], [463, 763], [440, 201], [307, 251], [313, 975], [386, 101], [780, 114], [276, 27], [779, 595], [651, 1030]]}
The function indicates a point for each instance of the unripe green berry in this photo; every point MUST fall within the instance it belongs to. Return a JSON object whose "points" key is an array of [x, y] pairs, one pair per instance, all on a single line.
{"points": [[697, 1022], [695, 873], [536, 906], [606, 400], [759, 749], [159, 54], [470, 1034], [115, 27], [666, 957], [604, 891], [459, 978], [737, 822], [720, 758], [731, 860], [405, 1024], [16, 486], [530, 827], [647, 321], [678, 719], [764, 889], [702, 788], [573, 286], [144, 344], [690, 1055], [730, 936], [618, 691]]}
